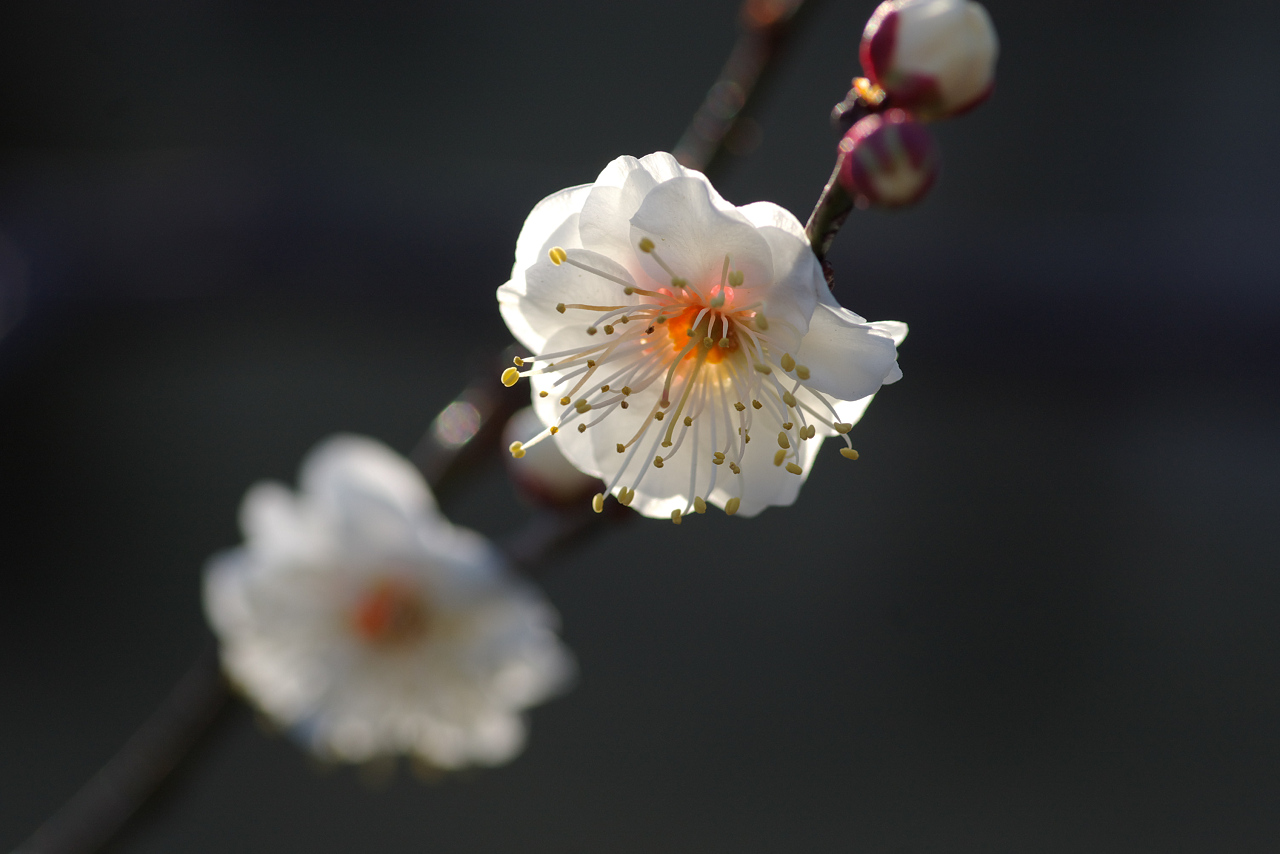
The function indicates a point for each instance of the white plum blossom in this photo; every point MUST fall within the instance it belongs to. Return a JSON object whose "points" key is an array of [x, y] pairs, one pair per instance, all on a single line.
{"points": [[685, 351], [358, 617]]}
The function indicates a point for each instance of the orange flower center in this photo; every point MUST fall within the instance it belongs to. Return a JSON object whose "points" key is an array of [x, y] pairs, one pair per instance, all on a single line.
{"points": [[681, 329], [390, 613]]}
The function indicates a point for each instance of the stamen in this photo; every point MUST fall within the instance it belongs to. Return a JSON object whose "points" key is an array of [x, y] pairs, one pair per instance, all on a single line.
{"points": [[558, 255], [597, 502], [699, 506], [510, 377], [517, 449], [778, 456], [731, 506], [849, 453], [788, 363], [675, 516], [802, 372], [794, 469]]}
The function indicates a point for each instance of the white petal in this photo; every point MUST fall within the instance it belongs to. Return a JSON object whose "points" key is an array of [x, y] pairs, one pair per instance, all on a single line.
{"points": [[529, 306], [544, 227], [846, 357], [693, 236]]}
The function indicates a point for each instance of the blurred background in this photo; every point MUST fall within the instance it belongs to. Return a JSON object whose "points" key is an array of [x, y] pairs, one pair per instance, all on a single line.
{"points": [[1039, 614]]}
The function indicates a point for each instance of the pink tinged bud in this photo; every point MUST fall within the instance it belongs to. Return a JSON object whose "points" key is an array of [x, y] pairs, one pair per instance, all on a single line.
{"points": [[888, 159], [936, 58]]}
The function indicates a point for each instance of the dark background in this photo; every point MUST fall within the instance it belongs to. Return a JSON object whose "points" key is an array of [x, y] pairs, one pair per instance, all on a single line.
{"points": [[1038, 615]]}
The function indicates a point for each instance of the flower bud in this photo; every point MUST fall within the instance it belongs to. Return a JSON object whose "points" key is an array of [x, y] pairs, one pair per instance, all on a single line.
{"points": [[888, 159], [936, 58], [541, 472]]}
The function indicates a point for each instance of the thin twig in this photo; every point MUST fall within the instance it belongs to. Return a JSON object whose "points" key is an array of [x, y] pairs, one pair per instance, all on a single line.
{"points": [[100, 808], [765, 26]]}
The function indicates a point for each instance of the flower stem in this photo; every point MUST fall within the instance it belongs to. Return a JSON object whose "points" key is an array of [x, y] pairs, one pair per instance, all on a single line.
{"points": [[96, 812], [828, 216], [765, 26]]}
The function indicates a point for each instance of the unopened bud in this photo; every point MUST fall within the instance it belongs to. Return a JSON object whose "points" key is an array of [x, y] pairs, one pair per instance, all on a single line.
{"points": [[888, 159], [541, 472], [936, 58]]}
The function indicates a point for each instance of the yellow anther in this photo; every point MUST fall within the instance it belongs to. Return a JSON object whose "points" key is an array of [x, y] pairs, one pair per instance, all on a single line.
{"points": [[646, 245], [604, 387], [725, 343], [842, 427], [739, 406], [625, 404], [688, 421], [757, 404], [628, 290], [678, 282], [849, 453], [625, 495], [733, 467], [719, 455], [657, 462], [708, 342], [788, 398], [787, 425], [597, 502], [517, 449], [560, 307], [802, 372], [626, 389], [811, 431], [764, 369], [735, 278], [782, 441], [626, 318], [731, 506], [794, 469], [662, 318], [699, 506], [787, 362], [761, 323], [591, 363], [622, 449], [778, 456], [542, 394], [675, 516], [558, 255], [553, 429], [718, 461], [582, 406], [746, 438], [591, 330], [518, 362], [582, 428], [564, 401], [657, 416], [666, 444], [510, 377]]}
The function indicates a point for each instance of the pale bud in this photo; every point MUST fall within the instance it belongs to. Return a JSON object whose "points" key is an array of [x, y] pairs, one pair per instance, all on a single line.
{"points": [[888, 159], [541, 472], [936, 58]]}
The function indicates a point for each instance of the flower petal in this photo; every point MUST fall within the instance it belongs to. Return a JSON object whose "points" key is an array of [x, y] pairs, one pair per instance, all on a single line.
{"points": [[693, 236], [847, 358], [528, 305], [545, 226]]}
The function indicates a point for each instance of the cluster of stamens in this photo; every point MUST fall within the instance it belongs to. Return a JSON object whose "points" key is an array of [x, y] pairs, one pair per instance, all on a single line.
{"points": [[716, 363]]}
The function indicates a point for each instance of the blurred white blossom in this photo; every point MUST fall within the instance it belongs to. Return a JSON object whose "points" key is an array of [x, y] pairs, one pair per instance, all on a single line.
{"points": [[670, 329], [361, 619]]}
